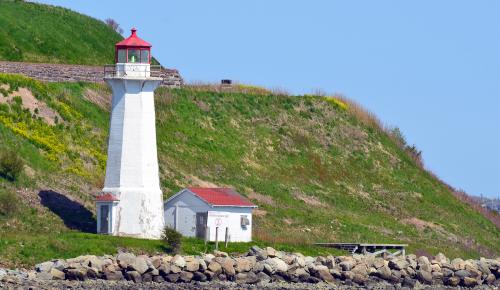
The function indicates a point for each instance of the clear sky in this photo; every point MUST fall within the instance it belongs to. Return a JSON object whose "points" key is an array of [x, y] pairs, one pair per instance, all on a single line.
{"points": [[430, 67]]}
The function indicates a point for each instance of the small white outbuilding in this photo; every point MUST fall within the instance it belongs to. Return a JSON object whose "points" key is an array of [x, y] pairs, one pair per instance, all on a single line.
{"points": [[210, 212]]}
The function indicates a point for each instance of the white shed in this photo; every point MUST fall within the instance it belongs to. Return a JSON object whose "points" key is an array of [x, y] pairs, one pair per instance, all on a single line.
{"points": [[201, 212]]}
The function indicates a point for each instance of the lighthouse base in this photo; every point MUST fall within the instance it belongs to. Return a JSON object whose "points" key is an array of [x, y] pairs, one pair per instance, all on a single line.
{"points": [[138, 213]]}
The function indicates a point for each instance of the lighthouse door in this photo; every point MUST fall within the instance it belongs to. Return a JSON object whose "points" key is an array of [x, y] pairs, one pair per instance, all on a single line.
{"points": [[201, 224], [104, 229]]}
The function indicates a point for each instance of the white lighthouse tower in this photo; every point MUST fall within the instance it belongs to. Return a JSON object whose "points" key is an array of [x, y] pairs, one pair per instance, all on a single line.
{"points": [[131, 202]]}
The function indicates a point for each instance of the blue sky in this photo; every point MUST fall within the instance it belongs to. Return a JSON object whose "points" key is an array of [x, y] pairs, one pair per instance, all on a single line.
{"points": [[430, 67]]}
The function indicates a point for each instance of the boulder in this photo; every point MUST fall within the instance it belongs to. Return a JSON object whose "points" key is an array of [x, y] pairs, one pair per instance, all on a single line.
{"points": [[360, 269], [147, 277], [174, 269], [133, 276], [302, 274], [158, 279], [44, 267], [220, 254], [57, 275], [113, 275], [227, 265], [208, 258], [441, 259], [384, 273], [178, 261], [222, 277], [247, 278], [409, 282], [192, 264], [245, 264], [172, 278], [462, 273], [203, 265], [164, 269], [215, 267], [347, 265], [424, 277], [490, 279], [124, 259], [199, 276], [424, 264], [451, 281], [210, 275], [378, 263], [44, 276], [139, 265], [323, 273], [458, 264], [186, 276], [60, 264], [79, 274], [271, 253], [398, 264], [359, 279], [347, 275], [277, 265], [258, 267], [469, 282]]}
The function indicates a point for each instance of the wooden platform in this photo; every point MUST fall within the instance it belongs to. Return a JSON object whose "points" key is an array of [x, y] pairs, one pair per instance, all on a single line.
{"points": [[375, 249]]}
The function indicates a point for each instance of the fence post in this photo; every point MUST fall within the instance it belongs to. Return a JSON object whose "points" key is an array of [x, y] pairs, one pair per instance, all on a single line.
{"points": [[226, 238], [217, 238]]}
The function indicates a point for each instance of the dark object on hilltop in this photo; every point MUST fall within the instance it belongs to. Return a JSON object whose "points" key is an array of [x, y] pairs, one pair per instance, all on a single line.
{"points": [[173, 239], [11, 165], [226, 82]]}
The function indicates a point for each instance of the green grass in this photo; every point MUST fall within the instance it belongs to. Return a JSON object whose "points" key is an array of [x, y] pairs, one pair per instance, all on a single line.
{"points": [[317, 173], [42, 33]]}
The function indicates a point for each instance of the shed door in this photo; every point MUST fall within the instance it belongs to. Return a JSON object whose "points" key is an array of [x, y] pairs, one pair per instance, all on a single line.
{"points": [[201, 224], [104, 219]]}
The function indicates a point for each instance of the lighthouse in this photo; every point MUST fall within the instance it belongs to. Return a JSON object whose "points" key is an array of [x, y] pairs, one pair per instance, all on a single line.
{"points": [[131, 202]]}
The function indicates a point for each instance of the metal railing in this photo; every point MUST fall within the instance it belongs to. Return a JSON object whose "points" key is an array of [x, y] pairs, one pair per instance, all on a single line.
{"points": [[112, 70]]}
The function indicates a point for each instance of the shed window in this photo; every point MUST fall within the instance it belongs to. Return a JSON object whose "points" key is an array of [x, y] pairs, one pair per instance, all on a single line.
{"points": [[244, 221], [145, 56], [134, 55], [122, 55]]}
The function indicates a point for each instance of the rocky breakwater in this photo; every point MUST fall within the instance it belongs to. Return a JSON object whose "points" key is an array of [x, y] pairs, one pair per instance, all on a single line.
{"points": [[269, 265]]}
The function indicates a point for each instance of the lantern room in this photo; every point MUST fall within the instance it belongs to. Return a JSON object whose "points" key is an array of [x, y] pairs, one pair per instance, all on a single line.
{"points": [[133, 50]]}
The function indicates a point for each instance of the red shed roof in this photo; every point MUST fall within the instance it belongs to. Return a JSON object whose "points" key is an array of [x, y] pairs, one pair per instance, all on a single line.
{"points": [[221, 197], [133, 41], [107, 197]]}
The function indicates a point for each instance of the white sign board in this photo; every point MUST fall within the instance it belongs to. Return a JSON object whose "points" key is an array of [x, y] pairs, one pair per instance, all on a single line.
{"points": [[217, 219]]}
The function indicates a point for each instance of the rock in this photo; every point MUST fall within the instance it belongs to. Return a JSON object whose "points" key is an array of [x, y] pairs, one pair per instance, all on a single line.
{"points": [[324, 274], [186, 276], [490, 279], [347, 275], [409, 282], [147, 277], [245, 264], [113, 275], [469, 282], [462, 273], [302, 274], [198, 276], [424, 277], [192, 265], [172, 277], [277, 265], [133, 276], [384, 273], [57, 275], [208, 258], [263, 277], [203, 265], [220, 254], [157, 262], [124, 259], [271, 253], [210, 275], [313, 280], [424, 264], [398, 264], [451, 281], [227, 265], [436, 268], [378, 263], [258, 267], [178, 261], [174, 269], [164, 269], [139, 265], [158, 279], [44, 276], [359, 279], [60, 264], [79, 274], [360, 269], [441, 259], [484, 267], [215, 267], [347, 265], [447, 272], [44, 267], [458, 264], [247, 278]]}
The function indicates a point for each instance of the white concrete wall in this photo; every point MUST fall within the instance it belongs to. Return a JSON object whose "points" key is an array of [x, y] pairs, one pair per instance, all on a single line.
{"points": [[132, 166], [188, 205]]}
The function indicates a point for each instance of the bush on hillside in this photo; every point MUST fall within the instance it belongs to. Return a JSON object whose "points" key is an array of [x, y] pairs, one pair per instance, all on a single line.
{"points": [[11, 165], [173, 239], [8, 203], [411, 150]]}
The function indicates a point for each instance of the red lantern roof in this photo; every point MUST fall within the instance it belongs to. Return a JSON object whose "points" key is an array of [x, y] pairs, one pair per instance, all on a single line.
{"points": [[107, 197], [221, 197], [133, 41]]}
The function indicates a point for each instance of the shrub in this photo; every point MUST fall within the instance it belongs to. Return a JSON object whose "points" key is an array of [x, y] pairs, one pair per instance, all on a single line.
{"points": [[8, 203], [11, 165], [173, 239]]}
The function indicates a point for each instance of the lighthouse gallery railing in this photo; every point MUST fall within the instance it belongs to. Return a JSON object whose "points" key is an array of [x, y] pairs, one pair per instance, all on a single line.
{"points": [[111, 70]]}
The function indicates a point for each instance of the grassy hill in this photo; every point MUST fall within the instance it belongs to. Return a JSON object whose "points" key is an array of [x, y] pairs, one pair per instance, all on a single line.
{"points": [[319, 168], [34, 32]]}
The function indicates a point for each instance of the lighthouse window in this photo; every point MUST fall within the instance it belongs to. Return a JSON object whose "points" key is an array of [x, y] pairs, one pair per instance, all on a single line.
{"points": [[145, 56], [122, 55], [134, 55]]}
